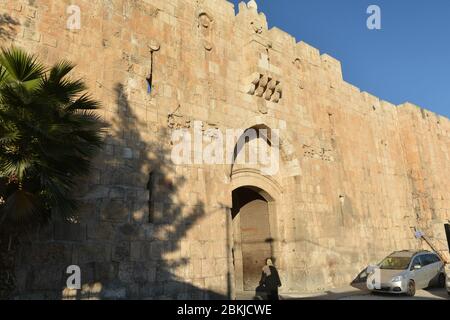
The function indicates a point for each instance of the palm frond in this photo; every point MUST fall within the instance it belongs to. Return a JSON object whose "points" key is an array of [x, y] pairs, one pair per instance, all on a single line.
{"points": [[2, 74], [8, 133], [49, 132], [20, 66], [57, 85], [22, 208], [84, 102], [60, 70], [14, 166]]}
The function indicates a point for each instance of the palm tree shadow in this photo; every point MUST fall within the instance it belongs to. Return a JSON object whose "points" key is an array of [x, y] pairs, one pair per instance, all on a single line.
{"points": [[127, 237], [146, 178], [8, 27]]}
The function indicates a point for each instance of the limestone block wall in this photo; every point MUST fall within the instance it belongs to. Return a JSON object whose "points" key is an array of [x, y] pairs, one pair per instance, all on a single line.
{"points": [[356, 173], [426, 136]]}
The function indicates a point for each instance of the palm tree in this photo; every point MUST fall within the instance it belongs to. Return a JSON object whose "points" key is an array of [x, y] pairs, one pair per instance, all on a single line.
{"points": [[49, 132]]}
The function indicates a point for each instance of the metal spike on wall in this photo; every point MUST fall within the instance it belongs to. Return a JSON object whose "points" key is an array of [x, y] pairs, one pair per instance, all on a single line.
{"points": [[420, 235]]}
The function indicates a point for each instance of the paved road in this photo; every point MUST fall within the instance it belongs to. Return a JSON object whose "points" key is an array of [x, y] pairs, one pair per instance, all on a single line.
{"points": [[429, 294], [352, 293]]}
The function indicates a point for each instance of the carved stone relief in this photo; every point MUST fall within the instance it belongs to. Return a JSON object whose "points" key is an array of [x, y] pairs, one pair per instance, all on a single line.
{"points": [[205, 24], [178, 121], [256, 27], [320, 153], [299, 66], [265, 87]]}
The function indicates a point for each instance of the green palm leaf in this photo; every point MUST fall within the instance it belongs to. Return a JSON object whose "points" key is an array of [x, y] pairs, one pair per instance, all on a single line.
{"points": [[20, 67], [49, 132], [22, 208]]}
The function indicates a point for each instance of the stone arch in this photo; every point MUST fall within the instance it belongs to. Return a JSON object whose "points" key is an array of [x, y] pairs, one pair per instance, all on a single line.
{"points": [[288, 154], [254, 224], [266, 186], [269, 188], [273, 189]]}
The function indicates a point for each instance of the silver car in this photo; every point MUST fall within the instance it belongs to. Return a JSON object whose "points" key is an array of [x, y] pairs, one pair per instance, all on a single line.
{"points": [[404, 272]]}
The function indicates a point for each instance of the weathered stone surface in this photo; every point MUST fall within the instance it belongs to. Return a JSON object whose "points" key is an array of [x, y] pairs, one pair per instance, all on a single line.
{"points": [[50, 278], [100, 231], [114, 293], [115, 210], [129, 232], [126, 271], [121, 251], [46, 254], [92, 252], [105, 272], [69, 231]]}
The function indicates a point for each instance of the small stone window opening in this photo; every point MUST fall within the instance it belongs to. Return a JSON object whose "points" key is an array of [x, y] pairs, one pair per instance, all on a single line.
{"points": [[154, 47], [150, 76], [149, 84]]}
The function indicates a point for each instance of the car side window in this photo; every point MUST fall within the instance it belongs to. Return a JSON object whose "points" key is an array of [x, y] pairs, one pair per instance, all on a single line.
{"points": [[416, 261], [435, 258], [431, 258], [427, 259]]}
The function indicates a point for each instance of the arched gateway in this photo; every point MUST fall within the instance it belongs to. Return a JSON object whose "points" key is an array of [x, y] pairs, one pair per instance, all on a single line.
{"points": [[257, 203], [255, 231]]}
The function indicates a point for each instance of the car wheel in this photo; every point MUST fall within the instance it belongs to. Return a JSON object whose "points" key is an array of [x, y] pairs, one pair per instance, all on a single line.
{"points": [[411, 292], [441, 281]]}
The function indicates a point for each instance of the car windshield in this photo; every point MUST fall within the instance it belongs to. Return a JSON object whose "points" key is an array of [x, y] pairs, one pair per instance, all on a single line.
{"points": [[395, 263]]}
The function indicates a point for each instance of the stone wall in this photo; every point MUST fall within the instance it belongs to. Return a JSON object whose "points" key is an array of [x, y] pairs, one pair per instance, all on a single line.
{"points": [[356, 172]]}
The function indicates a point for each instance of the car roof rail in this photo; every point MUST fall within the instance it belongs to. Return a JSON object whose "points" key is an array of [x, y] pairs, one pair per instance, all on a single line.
{"points": [[423, 251]]}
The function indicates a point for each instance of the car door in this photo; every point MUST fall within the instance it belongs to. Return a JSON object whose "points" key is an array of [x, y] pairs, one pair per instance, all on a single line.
{"points": [[436, 267], [418, 275], [429, 268]]}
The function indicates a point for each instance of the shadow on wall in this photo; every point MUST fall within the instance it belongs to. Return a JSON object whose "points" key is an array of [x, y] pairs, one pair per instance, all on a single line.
{"points": [[126, 246], [7, 27]]}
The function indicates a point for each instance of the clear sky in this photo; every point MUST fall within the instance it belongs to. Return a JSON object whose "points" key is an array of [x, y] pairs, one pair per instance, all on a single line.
{"points": [[407, 60]]}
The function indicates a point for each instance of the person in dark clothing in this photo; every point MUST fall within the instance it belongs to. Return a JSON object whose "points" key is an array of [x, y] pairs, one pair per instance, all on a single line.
{"points": [[270, 280]]}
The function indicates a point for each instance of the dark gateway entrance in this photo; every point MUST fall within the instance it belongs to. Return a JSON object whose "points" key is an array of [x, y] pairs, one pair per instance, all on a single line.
{"points": [[251, 234]]}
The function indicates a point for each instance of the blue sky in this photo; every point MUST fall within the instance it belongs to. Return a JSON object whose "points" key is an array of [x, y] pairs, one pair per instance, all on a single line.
{"points": [[407, 60]]}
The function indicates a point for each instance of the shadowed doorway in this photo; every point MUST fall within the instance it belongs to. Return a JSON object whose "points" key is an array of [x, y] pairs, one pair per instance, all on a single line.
{"points": [[251, 234]]}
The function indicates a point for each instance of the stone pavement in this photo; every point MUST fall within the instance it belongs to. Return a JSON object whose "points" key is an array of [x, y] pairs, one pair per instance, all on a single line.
{"points": [[428, 294]]}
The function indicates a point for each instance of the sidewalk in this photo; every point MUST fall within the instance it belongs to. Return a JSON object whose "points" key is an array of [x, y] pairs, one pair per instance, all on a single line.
{"points": [[333, 294]]}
